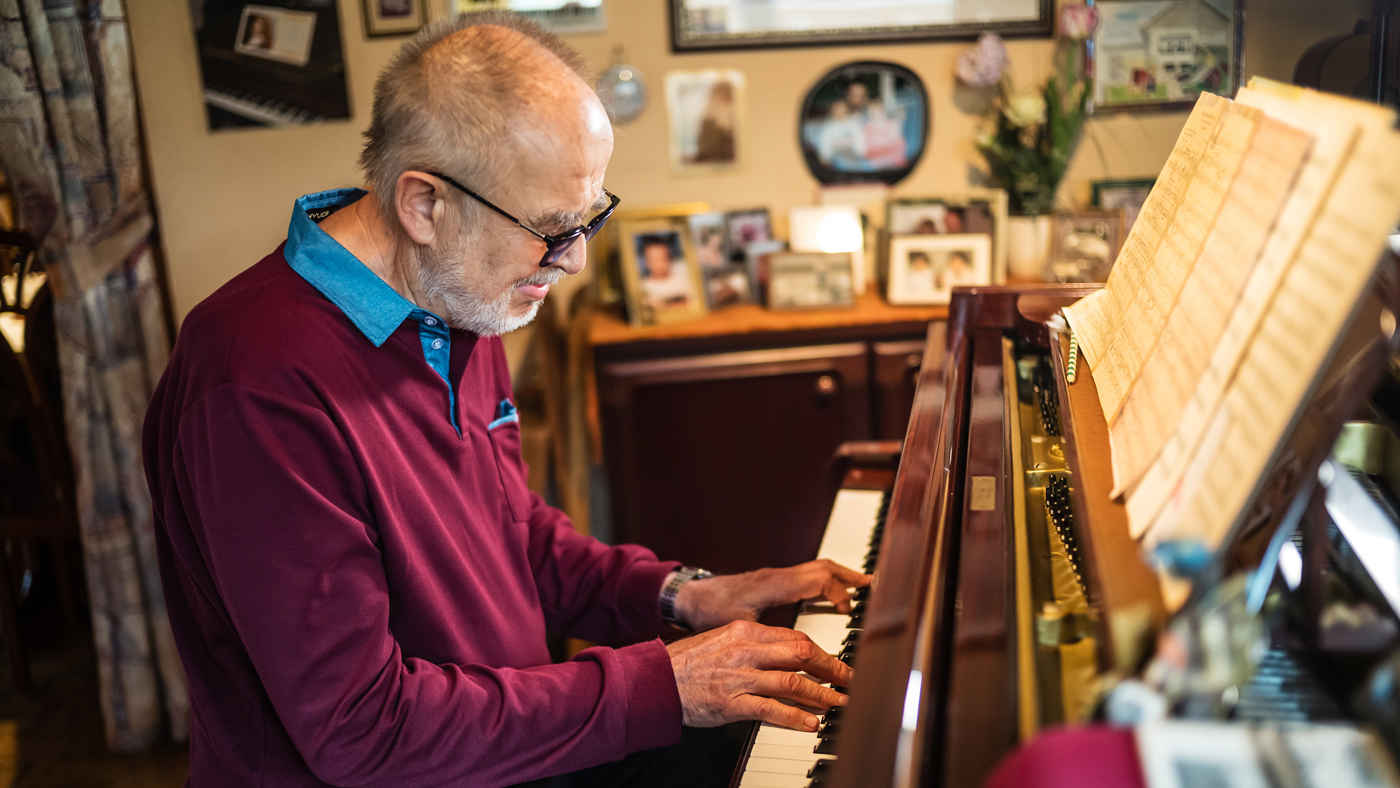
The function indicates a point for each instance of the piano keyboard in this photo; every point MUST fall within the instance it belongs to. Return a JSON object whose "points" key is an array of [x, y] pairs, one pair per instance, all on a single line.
{"points": [[780, 757], [260, 109]]}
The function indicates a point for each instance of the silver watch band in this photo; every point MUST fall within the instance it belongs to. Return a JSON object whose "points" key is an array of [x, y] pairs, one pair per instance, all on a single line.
{"points": [[672, 587]]}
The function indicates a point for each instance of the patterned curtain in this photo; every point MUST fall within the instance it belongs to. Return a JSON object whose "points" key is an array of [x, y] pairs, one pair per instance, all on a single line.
{"points": [[71, 146]]}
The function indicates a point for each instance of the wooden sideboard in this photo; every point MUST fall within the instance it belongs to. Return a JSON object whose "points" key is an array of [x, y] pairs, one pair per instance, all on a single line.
{"points": [[719, 434]]}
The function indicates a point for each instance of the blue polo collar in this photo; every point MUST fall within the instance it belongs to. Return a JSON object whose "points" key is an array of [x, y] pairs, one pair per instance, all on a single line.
{"points": [[375, 308]]}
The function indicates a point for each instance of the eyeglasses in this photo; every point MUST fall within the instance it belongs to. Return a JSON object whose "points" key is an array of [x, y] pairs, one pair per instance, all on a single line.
{"points": [[555, 245]]}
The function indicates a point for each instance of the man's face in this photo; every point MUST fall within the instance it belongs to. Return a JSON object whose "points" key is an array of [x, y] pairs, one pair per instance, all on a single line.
{"points": [[487, 276], [658, 260]]}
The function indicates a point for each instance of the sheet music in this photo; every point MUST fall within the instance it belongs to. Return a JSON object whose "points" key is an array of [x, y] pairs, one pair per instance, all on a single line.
{"points": [[1295, 332], [1180, 356], [1097, 318], [1152, 292]]}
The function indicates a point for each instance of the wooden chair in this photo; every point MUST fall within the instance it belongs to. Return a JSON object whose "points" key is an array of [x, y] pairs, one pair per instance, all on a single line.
{"points": [[37, 500]]}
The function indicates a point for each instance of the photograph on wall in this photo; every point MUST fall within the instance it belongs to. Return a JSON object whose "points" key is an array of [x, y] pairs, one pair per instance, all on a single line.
{"points": [[393, 17], [662, 283], [1083, 246], [1165, 53], [924, 269], [272, 63], [810, 280], [559, 16], [864, 122], [704, 108]]}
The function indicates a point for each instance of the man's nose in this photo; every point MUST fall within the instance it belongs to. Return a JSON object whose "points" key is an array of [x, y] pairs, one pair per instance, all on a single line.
{"points": [[575, 259]]}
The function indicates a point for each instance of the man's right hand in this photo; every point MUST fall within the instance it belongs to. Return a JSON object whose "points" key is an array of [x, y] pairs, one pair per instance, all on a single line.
{"points": [[736, 672]]}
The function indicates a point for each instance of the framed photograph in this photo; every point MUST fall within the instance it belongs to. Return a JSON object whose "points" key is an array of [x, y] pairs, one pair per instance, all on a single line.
{"points": [[980, 211], [1148, 54], [757, 259], [728, 286], [746, 227], [709, 238], [810, 280], [1083, 246], [393, 17], [705, 108], [864, 122], [276, 34], [924, 269], [661, 281], [699, 25], [558, 16], [1122, 196]]}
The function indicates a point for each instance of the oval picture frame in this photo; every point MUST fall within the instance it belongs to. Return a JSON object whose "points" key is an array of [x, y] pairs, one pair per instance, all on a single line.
{"points": [[866, 121]]}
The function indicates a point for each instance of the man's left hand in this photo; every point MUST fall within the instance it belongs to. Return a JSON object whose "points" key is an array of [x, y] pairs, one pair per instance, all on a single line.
{"points": [[718, 600]]}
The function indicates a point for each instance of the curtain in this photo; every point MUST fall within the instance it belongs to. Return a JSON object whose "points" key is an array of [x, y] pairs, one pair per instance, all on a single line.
{"points": [[70, 144]]}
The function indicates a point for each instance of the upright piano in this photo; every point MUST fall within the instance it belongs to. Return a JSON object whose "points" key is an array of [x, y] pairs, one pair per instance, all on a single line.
{"points": [[1010, 599]]}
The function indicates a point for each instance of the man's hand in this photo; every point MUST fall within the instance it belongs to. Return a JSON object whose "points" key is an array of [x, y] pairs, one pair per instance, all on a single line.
{"points": [[719, 600], [735, 673]]}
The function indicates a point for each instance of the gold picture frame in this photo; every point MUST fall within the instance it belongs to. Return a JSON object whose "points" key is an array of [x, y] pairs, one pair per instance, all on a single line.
{"points": [[661, 281]]}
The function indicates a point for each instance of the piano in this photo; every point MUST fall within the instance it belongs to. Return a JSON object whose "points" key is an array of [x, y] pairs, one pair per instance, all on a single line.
{"points": [[1009, 596]]}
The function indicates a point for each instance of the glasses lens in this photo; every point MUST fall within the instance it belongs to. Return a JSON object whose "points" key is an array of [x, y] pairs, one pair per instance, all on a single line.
{"points": [[558, 249], [599, 220]]}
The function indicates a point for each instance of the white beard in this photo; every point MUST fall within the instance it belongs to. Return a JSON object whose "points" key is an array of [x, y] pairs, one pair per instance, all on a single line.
{"points": [[440, 283]]}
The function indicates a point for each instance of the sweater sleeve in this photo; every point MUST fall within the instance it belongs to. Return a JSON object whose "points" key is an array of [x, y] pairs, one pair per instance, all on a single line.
{"points": [[590, 590], [282, 520]]}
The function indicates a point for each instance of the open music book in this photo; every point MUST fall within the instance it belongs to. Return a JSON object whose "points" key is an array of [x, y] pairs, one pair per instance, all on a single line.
{"points": [[1231, 292]]}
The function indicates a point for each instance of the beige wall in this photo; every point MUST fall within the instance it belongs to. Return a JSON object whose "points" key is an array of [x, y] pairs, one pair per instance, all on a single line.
{"points": [[224, 198]]}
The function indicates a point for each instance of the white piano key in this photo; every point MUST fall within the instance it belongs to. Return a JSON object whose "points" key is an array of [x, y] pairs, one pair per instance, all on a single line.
{"points": [[762, 780]]}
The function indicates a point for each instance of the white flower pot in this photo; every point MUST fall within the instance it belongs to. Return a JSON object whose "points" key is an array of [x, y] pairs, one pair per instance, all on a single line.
{"points": [[1027, 246]]}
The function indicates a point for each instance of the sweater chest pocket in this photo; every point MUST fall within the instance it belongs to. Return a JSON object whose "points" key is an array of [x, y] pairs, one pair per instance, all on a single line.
{"points": [[504, 433]]}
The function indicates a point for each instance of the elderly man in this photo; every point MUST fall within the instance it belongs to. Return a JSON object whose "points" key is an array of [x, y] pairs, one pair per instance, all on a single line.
{"points": [[359, 581]]}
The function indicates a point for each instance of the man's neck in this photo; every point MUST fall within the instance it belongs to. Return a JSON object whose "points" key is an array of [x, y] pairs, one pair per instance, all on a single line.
{"points": [[360, 228]]}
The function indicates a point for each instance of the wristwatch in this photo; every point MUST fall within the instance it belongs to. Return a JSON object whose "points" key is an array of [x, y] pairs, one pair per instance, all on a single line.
{"points": [[672, 587]]}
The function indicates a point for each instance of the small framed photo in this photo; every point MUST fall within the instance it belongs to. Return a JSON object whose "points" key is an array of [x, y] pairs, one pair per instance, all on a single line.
{"points": [[1163, 54], [1083, 246], [705, 109], [661, 281], [924, 269], [276, 33], [979, 211], [709, 238], [757, 258], [557, 16], [810, 280], [1122, 196], [728, 286], [393, 17], [747, 227]]}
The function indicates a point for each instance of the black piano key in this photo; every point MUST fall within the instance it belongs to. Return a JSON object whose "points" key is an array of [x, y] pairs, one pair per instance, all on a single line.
{"points": [[825, 747]]}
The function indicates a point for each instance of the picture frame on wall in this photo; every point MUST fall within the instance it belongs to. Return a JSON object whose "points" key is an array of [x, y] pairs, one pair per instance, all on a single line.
{"points": [[1084, 245], [274, 33], [976, 211], [557, 16], [864, 122], [924, 269], [661, 281], [1124, 196], [810, 280], [393, 17], [705, 111], [1162, 54], [707, 25]]}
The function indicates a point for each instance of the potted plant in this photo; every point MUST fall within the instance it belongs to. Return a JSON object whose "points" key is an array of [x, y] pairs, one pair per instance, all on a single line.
{"points": [[1032, 134]]}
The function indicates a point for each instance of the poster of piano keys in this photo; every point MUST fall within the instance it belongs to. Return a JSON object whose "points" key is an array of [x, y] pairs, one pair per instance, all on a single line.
{"points": [[270, 63]]}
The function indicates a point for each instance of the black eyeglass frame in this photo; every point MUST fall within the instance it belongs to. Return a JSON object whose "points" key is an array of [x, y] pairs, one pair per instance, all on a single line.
{"points": [[555, 245]]}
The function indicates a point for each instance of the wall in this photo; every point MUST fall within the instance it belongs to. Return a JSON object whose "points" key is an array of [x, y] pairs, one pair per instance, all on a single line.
{"points": [[223, 199]]}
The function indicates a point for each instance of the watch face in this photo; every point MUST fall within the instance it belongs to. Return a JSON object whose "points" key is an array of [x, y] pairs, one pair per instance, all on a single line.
{"points": [[622, 92]]}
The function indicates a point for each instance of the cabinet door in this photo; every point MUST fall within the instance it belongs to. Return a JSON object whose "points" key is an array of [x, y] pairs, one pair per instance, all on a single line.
{"points": [[725, 460], [896, 368]]}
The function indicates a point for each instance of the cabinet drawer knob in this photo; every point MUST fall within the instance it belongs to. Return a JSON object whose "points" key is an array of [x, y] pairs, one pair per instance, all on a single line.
{"points": [[826, 385], [915, 361]]}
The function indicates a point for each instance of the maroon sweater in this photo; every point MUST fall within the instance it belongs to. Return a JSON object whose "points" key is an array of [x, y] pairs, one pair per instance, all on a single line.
{"points": [[359, 593]]}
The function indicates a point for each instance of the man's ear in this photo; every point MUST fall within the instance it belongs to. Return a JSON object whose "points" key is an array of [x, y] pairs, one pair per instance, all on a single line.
{"points": [[419, 205]]}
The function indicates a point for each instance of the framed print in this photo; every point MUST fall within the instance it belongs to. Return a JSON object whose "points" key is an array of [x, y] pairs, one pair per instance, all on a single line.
{"points": [[704, 108], [1149, 54], [699, 25], [810, 280], [728, 286], [661, 281], [276, 34], [393, 17], [605, 248], [757, 258], [708, 237], [1122, 196], [864, 122], [1083, 246], [746, 227], [980, 211], [924, 269], [558, 16]]}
